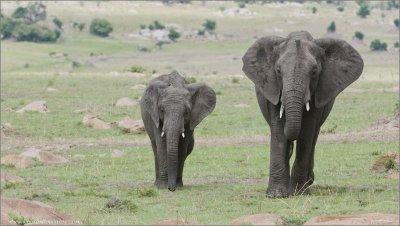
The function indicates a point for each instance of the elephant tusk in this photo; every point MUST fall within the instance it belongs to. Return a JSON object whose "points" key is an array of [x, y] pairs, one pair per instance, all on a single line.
{"points": [[162, 133], [281, 111], [308, 106], [183, 135]]}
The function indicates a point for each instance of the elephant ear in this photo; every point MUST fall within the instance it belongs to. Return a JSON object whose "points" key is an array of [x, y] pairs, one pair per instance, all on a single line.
{"points": [[258, 65], [341, 66], [150, 100], [203, 103]]}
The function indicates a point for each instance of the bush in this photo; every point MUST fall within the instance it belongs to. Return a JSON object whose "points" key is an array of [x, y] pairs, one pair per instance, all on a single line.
{"points": [[397, 23], [142, 26], [359, 35], [396, 45], [314, 10], [332, 27], [58, 22], [340, 8], [158, 25], [377, 45], [363, 11], [7, 26], [201, 32], [100, 27], [173, 35], [81, 26], [209, 25], [137, 69], [33, 13], [35, 33]]}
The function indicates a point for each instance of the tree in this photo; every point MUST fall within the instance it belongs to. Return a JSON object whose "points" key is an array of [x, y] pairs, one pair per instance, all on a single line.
{"points": [[58, 22], [173, 35], [210, 25], [359, 35], [33, 13], [7, 26], [332, 27], [364, 11], [100, 27]]}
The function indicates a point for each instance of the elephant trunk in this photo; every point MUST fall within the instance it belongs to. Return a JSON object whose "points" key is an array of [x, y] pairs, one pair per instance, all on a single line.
{"points": [[172, 158], [293, 112]]}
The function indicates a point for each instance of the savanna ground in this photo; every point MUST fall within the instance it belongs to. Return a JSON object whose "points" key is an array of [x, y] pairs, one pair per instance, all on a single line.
{"points": [[226, 175]]}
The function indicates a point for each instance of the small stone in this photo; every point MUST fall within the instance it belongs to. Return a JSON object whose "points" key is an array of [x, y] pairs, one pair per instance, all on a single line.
{"points": [[36, 106], [51, 90], [6, 177], [117, 153], [94, 122], [125, 102], [139, 87], [45, 157], [129, 125]]}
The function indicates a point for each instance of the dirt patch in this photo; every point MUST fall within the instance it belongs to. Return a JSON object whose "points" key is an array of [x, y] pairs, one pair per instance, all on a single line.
{"points": [[7, 177], [95, 122], [129, 125], [258, 219], [359, 219], [36, 106], [125, 102], [37, 212], [177, 222]]}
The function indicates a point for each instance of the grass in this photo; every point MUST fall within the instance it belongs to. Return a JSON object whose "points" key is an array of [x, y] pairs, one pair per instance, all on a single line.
{"points": [[221, 182]]}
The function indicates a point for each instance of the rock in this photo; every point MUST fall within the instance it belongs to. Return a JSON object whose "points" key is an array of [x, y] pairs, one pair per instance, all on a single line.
{"points": [[139, 87], [258, 219], [125, 102], [161, 35], [359, 219], [80, 111], [41, 213], [242, 105], [45, 157], [6, 128], [393, 174], [129, 125], [36, 106], [6, 177], [117, 153], [176, 222], [94, 122], [8, 109], [51, 90], [17, 161]]}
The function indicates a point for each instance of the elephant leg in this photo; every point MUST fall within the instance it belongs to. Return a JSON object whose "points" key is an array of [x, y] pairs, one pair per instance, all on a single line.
{"points": [[162, 180], [281, 148], [154, 147], [185, 148]]}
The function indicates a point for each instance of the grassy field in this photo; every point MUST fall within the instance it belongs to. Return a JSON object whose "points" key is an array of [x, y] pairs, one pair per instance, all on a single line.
{"points": [[222, 181]]}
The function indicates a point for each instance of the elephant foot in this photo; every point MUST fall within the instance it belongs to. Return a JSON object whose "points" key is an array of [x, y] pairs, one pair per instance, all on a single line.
{"points": [[161, 184], [179, 183], [277, 191]]}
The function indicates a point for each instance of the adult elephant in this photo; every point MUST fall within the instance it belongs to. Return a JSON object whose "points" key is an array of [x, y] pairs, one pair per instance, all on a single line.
{"points": [[171, 108], [297, 80]]}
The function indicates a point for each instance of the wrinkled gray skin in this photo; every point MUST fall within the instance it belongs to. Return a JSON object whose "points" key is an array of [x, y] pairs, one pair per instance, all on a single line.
{"points": [[289, 72], [171, 107]]}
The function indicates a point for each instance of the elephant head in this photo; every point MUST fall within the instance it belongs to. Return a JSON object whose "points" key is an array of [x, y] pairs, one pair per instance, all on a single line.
{"points": [[298, 71], [176, 107]]}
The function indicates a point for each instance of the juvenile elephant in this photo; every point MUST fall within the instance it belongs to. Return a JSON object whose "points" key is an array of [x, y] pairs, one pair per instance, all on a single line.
{"points": [[171, 108], [297, 80]]}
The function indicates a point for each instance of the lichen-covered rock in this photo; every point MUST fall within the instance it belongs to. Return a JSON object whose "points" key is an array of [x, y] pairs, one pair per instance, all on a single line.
{"points": [[36, 106], [129, 125], [125, 102], [94, 122]]}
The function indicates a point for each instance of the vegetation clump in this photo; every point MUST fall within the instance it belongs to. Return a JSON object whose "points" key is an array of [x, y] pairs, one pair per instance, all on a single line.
{"points": [[173, 35], [332, 27], [377, 45], [364, 11], [58, 22], [359, 35], [100, 27], [210, 25]]}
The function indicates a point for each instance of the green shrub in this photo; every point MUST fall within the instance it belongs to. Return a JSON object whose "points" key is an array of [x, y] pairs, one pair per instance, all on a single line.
{"points": [[137, 69], [58, 22], [158, 25], [209, 25], [35, 33], [359, 35], [7, 26], [100, 27], [76, 64], [396, 45], [377, 45], [332, 27], [33, 13], [142, 26], [235, 80], [81, 26], [173, 35], [364, 11], [314, 10], [201, 32], [393, 4], [340, 8], [397, 22]]}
